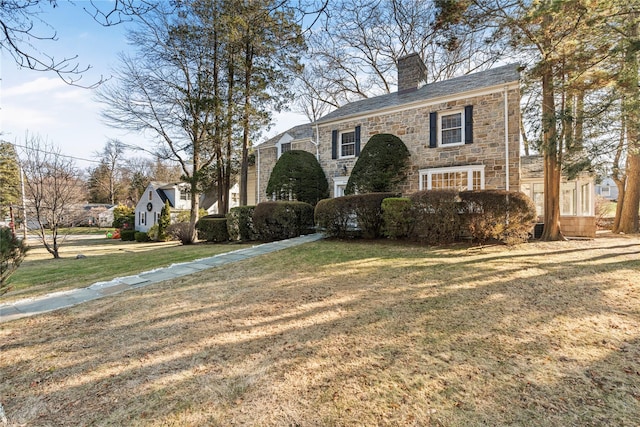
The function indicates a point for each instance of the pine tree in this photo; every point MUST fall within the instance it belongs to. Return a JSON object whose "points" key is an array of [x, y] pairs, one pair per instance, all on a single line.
{"points": [[9, 178]]}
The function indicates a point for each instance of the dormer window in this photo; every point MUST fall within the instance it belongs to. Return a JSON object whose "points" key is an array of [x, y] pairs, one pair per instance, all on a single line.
{"points": [[284, 144]]}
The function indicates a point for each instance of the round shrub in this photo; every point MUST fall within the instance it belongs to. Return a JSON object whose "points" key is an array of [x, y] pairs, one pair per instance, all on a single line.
{"points": [[381, 166], [297, 175], [213, 228], [282, 220]]}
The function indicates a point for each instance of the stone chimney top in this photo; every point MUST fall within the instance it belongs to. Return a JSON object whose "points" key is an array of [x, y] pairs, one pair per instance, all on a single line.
{"points": [[412, 73]]}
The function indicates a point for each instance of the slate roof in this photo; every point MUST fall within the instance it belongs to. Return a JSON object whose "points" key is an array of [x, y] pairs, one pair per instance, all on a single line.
{"points": [[531, 166], [493, 77], [297, 132]]}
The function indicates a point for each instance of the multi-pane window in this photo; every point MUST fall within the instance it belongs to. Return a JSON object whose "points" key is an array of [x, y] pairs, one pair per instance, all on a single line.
{"points": [[348, 144], [585, 197], [451, 128], [568, 198], [538, 198], [285, 147], [184, 194], [457, 178]]}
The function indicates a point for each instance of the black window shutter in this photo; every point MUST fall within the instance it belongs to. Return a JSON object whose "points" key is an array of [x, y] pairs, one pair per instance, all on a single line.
{"points": [[334, 144], [357, 141], [433, 130], [468, 124]]}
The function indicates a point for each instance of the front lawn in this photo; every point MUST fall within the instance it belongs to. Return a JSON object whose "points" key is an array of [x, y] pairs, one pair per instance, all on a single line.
{"points": [[347, 333], [105, 259]]}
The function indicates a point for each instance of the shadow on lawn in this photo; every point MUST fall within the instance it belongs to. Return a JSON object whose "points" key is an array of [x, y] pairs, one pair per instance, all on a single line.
{"points": [[366, 340]]}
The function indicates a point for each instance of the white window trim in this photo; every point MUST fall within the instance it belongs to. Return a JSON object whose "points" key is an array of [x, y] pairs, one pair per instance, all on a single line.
{"points": [[286, 139], [339, 181], [462, 126], [469, 169], [340, 156]]}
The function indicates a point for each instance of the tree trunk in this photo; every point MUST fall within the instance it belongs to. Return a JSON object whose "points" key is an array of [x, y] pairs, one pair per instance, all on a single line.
{"points": [[631, 202], [629, 214], [244, 165], [552, 162]]}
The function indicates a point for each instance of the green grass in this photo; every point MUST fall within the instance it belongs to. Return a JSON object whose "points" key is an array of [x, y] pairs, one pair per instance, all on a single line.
{"points": [[350, 333], [105, 259]]}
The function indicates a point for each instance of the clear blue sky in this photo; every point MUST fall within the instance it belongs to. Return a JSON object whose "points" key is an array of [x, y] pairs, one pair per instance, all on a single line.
{"points": [[41, 104]]}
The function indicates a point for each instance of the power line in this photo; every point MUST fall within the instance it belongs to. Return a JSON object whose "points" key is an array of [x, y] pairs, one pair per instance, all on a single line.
{"points": [[59, 154]]}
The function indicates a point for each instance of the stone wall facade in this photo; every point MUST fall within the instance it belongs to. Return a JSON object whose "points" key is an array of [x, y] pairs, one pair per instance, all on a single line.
{"points": [[412, 126], [266, 159]]}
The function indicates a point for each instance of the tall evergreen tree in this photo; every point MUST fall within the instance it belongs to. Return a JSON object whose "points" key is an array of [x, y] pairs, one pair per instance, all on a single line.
{"points": [[9, 178]]}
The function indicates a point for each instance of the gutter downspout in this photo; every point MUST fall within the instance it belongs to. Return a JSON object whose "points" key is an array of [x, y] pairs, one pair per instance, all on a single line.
{"points": [[258, 177], [506, 138], [317, 143]]}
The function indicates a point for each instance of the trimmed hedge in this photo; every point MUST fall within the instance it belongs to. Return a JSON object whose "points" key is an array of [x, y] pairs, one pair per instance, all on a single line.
{"points": [[342, 215], [507, 216], [437, 216], [334, 216], [282, 220], [213, 228], [128, 235], [141, 237], [397, 218], [240, 223]]}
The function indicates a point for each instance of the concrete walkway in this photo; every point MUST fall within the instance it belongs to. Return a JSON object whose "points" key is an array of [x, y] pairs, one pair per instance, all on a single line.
{"points": [[58, 300]]}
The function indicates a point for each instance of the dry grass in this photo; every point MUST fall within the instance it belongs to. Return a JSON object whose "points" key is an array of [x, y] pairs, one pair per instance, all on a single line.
{"points": [[337, 333]]}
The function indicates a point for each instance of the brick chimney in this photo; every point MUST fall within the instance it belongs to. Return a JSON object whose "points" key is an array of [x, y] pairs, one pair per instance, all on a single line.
{"points": [[412, 73]]}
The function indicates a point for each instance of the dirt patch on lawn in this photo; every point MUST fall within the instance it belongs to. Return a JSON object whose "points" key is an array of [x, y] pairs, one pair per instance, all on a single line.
{"points": [[355, 333]]}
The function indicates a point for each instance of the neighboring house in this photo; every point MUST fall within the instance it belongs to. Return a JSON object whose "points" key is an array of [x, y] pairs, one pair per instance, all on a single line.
{"points": [[105, 218], [577, 198], [607, 189], [149, 207], [462, 133]]}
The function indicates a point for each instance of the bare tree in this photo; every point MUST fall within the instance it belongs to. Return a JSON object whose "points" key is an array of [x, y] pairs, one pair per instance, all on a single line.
{"points": [[355, 44], [53, 189], [23, 32], [167, 89]]}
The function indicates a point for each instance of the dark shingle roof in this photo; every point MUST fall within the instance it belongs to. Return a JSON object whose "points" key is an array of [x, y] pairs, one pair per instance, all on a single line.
{"points": [[297, 132], [496, 76], [531, 166]]}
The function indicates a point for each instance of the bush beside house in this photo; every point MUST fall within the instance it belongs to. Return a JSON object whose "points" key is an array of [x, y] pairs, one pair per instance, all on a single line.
{"points": [[297, 175], [280, 220], [432, 217], [381, 166], [240, 223], [213, 228]]}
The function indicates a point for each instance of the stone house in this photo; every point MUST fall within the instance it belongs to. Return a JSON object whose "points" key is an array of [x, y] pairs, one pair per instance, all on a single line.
{"points": [[462, 133]]}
